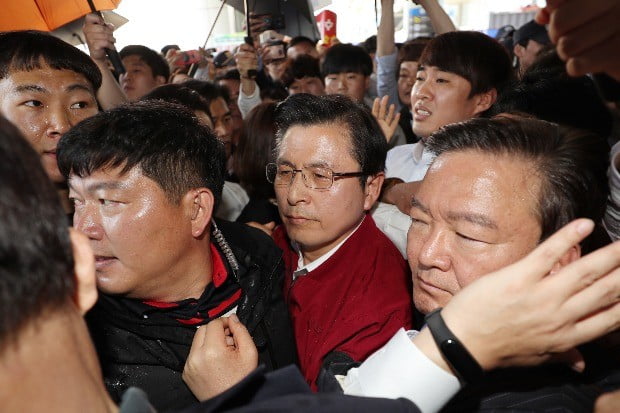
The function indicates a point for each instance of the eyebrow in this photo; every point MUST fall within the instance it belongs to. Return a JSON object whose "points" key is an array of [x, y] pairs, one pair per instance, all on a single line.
{"points": [[476, 219], [30, 88], [99, 186], [473, 218], [41, 89], [319, 164], [79, 86], [415, 203]]}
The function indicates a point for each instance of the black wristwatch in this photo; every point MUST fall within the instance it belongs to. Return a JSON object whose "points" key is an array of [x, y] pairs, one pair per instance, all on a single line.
{"points": [[456, 355]]}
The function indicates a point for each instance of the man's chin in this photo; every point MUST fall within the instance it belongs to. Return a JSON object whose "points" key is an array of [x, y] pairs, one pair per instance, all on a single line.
{"points": [[426, 304]]}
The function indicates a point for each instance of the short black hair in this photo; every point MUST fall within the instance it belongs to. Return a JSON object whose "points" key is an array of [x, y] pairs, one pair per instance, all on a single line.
{"points": [[209, 91], [570, 163], [546, 91], [368, 144], [154, 60], [301, 39], [411, 50], [481, 60], [370, 44], [344, 58], [165, 140], [300, 67], [177, 93], [36, 260], [255, 150], [167, 47], [30, 49]]}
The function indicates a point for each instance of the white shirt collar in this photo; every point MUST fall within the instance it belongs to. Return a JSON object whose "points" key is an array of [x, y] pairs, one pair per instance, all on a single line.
{"points": [[305, 269], [418, 151]]}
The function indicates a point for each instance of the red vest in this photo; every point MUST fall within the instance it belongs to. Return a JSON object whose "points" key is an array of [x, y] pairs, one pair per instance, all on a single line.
{"points": [[353, 303]]}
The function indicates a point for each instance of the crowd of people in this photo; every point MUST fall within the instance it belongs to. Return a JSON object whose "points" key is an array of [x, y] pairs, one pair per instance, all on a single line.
{"points": [[419, 227]]}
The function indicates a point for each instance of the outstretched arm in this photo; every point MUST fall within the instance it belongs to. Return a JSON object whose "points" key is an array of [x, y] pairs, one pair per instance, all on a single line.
{"points": [[442, 23], [99, 37]]}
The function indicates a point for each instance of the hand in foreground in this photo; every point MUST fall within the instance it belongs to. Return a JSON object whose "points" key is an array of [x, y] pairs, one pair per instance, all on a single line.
{"points": [[608, 403], [400, 194], [222, 354], [98, 36], [385, 116], [523, 315], [587, 35], [246, 59]]}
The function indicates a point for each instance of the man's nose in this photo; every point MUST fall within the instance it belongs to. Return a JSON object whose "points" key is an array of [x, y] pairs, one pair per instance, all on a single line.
{"points": [[59, 121], [86, 220], [434, 250], [341, 83], [421, 90], [297, 190]]}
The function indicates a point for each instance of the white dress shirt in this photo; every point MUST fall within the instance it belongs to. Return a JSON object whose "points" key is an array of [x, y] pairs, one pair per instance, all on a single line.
{"points": [[408, 162], [400, 370]]}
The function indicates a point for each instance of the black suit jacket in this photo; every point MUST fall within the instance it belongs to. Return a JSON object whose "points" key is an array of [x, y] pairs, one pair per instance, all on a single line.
{"points": [[285, 390]]}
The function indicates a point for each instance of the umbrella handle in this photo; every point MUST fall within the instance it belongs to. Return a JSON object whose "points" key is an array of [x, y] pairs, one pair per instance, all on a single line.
{"points": [[252, 73], [115, 59], [113, 55]]}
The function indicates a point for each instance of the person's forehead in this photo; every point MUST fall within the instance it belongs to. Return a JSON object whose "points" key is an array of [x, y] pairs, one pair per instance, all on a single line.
{"points": [[134, 60], [108, 178], [437, 69], [218, 107], [43, 76], [329, 141], [482, 182], [306, 80]]}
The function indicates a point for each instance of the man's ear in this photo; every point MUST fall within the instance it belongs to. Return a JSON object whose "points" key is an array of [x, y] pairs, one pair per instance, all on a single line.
{"points": [[84, 270], [199, 203], [484, 100], [160, 80], [518, 50], [366, 83], [372, 190], [573, 254]]}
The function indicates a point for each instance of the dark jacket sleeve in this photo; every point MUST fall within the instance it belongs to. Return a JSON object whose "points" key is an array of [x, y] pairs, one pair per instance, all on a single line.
{"points": [[285, 390]]}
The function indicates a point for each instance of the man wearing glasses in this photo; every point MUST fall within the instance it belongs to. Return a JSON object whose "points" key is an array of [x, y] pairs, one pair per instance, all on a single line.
{"points": [[346, 285]]}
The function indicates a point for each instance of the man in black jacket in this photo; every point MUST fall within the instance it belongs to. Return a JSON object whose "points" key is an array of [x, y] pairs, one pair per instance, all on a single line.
{"points": [[145, 180]]}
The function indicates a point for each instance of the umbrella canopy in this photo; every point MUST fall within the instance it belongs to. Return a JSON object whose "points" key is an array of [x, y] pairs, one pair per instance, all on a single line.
{"points": [[46, 15], [298, 14], [72, 32]]}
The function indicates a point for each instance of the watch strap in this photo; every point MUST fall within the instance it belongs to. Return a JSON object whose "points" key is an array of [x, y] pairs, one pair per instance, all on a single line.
{"points": [[456, 355]]}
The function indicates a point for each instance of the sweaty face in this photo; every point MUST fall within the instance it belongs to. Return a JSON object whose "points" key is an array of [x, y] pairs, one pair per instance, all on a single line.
{"points": [[138, 80], [311, 85], [474, 213], [351, 84], [138, 236], [439, 98], [318, 219], [44, 104], [406, 80]]}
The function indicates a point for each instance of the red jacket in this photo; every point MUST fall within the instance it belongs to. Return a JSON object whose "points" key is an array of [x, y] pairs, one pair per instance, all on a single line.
{"points": [[352, 303]]}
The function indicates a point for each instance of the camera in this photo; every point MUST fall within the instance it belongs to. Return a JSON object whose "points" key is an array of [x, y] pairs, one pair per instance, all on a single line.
{"points": [[271, 21], [187, 58], [274, 52]]}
